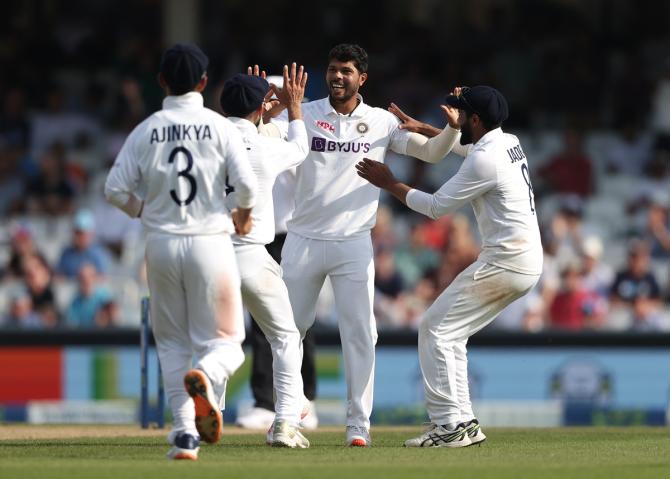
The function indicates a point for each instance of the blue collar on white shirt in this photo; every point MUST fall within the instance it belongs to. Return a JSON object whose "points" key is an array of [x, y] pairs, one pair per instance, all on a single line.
{"points": [[190, 99]]}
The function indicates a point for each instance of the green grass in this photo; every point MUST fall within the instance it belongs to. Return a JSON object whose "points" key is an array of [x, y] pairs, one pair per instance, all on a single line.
{"points": [[509, 453]]}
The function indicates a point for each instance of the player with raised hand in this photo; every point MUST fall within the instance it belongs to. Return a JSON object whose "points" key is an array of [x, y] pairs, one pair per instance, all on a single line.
{"points": [[494, 178], [183, 156], [329, 233], [263, 292]]}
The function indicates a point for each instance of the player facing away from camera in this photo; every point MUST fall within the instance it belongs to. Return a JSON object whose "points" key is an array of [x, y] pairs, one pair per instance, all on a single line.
{"points": [[329, 233], [183, 156], [263, 291], [494, 179]]}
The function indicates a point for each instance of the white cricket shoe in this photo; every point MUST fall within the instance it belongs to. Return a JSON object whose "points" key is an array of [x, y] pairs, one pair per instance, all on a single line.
{"points": [[285, 435], [256, 418], [474, 431], [184, 446], [438, 436], [308, 420], [208, 418], [358, 436]]}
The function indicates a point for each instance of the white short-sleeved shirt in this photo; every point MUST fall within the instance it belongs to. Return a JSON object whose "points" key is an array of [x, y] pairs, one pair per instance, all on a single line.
{"points": [[495, 179], [331, 201], [269, 157], [182, 156]]}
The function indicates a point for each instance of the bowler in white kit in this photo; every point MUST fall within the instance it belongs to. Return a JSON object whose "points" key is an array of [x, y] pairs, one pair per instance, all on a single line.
{"points": [[329, 233], [183, 156], [263, 291], [494, 178]]}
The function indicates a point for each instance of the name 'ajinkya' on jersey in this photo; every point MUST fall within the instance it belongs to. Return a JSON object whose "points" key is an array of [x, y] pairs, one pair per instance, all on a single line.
{"points": [[331, 201], [495, 179], [182, 156]]}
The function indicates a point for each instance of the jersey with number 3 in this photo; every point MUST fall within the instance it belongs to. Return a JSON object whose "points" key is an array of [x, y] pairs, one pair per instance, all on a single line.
{"points": [[495, 179], [182, 157]]}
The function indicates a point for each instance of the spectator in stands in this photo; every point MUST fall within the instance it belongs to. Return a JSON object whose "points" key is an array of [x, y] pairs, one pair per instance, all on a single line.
{"points": [[575, 307], [415, 303], [83, 248], [20, 313], [597, 276], [51, 192], [460, 252], [571, 170], [93, 305], [414, 259], [565, 235], [11, 183], [383, 236], [630, 151], [37, 276], [636, 290], [658, 227], [22, 246], [387, 279]]}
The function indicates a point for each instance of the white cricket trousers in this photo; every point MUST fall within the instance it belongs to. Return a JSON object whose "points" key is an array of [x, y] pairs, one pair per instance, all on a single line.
{"points": [[470, 302], [196, 314], [265, 296], [306, 263]]}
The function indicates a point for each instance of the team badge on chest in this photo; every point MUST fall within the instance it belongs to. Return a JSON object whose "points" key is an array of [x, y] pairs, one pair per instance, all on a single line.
{"points": [[362, 128]]}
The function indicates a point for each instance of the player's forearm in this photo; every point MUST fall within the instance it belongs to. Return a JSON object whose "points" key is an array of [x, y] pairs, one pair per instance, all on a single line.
{"points": [[399, 190], [294, 112], [432, 150], [428, 130], [126, 202]]}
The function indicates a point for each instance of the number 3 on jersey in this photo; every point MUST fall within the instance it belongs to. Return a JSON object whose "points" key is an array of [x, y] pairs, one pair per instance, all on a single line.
{"points": [[185, 173], [526, 176]]}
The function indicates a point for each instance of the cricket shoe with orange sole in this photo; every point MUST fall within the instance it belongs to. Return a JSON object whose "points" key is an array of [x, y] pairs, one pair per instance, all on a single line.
{"points": [[184, 446], [358, 436], [208, 419]]}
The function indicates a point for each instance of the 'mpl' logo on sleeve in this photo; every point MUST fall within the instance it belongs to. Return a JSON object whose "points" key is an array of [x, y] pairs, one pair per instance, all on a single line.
{"points": [[323, 145]]}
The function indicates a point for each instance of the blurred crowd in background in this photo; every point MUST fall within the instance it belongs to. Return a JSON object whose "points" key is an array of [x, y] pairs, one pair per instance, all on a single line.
{"points": [[589, 88]]}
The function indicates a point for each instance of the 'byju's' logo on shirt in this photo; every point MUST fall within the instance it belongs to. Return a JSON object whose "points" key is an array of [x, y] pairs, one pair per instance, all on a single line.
{"points": [[322, 145]]}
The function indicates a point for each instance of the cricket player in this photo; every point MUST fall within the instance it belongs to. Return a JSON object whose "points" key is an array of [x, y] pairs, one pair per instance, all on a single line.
{"points": [[494, 178], [183, 156], [263, 291], [329, 233], [262, 415]]}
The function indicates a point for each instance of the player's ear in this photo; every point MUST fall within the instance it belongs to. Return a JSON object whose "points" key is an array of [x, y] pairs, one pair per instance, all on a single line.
{"points": [[363, 79], [161, 81], [202, 83]]}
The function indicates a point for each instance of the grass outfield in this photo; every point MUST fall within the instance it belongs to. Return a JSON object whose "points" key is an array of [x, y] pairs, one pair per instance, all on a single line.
{"points": [[112, 452]]}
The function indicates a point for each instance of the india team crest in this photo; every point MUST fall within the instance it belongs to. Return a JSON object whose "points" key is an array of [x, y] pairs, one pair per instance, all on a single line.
{"points": [[362, 128]]}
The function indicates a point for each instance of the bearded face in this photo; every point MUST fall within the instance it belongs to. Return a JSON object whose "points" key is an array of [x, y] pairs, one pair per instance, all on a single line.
{"points": [[343, 80]]}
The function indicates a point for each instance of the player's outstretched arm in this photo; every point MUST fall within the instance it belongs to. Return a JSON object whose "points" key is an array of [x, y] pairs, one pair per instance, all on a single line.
{"points": [[382, 177], [426, 142], [413, 125]]}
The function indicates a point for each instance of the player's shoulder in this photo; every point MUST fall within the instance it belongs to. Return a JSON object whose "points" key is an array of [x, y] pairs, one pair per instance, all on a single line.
{"points": [[315, 107]]}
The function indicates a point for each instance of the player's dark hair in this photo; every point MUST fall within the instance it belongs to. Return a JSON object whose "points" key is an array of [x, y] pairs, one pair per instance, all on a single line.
{"points": [[348, 52], [178, 90]]}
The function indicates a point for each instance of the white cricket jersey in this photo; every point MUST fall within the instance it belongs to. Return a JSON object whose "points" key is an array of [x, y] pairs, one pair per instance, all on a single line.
{"points": [[283, 195], [495, 179], [268, 158], [183, 155], [331, 201]]}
